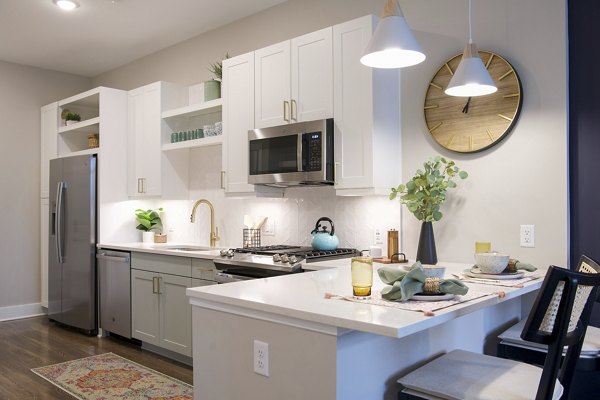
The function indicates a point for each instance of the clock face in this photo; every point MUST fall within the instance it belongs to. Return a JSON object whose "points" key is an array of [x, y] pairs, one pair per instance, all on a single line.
{"points": [[471, 124]]}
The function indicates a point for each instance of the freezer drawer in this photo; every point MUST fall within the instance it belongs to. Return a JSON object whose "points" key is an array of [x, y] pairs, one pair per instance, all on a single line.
{"points": [[114, 291]]}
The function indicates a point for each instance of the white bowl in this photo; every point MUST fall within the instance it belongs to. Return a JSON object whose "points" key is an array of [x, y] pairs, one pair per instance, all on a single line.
{"points": [[491, 263]]}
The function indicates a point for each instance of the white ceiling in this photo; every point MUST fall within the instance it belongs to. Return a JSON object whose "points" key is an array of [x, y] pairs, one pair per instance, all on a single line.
{"points": [[101, 35]]}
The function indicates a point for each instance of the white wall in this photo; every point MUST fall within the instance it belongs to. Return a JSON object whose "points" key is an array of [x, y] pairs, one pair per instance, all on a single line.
{"points": [[24, 90], [521, 180]]}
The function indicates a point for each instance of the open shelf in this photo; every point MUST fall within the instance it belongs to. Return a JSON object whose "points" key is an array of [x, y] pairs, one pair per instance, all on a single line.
{"points": [[87, 126], [190, 144], [79, 153], [194, 110]]}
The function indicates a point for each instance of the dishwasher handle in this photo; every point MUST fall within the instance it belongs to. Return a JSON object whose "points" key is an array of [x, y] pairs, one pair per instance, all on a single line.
{"points": [[103, 256]]}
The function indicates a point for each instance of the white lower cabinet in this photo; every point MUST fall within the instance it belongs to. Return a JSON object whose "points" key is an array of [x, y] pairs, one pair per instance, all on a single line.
{"points": [[160, 311]]}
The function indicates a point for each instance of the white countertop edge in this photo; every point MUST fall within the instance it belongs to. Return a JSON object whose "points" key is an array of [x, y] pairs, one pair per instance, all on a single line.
{"points": [[267, 316], [274, 312], [162, 248]]}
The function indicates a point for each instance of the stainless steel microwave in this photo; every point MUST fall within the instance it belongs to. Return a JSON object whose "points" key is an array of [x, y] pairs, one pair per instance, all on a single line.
{"points": [[292, 155]]}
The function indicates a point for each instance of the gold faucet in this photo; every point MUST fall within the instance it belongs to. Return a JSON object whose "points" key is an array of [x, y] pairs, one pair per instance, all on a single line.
{"points": [[214, 231]]}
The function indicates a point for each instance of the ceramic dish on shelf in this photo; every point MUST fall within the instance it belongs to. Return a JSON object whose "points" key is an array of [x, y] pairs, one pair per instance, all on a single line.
{"points": [[432, 297], [475, 273]]}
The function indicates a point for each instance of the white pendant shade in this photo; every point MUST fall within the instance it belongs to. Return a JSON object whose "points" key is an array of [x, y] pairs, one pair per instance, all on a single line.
{"points": [[471, 78], [393, 44]]}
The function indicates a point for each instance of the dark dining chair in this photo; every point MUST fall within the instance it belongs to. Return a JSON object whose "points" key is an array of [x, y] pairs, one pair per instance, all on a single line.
{"points": [[559, 318]]}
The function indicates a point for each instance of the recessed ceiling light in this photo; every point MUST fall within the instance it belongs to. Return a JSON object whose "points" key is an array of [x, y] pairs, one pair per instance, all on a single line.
{"points": [[66, 4]]}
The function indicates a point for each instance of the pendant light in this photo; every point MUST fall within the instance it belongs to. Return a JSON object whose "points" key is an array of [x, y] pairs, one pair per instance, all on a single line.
{"points": [[393, 44], [471, 78]]}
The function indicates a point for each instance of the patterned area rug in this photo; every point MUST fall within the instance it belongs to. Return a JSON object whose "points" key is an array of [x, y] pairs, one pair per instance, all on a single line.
{"points": [[110, 377]]}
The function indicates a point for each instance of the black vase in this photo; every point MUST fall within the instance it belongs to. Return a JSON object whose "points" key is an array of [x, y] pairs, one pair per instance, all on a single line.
{"points": [[426, 253]]}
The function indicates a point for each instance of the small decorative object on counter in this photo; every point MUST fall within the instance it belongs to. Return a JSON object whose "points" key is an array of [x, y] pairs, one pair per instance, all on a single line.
{"points": [[483, 247], [322, 239], [423, 195], [160, 238], [149, 222], [403, 285]]}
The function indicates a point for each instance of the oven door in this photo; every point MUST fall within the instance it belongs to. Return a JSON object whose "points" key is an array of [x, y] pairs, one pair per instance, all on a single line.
{"points": [[223, 277]]}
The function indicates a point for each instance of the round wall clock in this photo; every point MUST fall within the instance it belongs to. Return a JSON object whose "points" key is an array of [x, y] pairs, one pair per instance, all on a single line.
{"points": [[471, 124]]}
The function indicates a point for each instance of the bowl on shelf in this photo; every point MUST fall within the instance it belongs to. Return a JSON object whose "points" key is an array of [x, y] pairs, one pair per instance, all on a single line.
{"points": [[491, 263]]}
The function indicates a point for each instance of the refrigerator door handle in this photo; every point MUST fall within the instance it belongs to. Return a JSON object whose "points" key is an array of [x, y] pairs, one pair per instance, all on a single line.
{"points": [[58, 221]]}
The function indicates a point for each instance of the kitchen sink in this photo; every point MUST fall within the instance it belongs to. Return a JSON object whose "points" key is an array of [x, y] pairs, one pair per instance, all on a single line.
{"points": [[189, 248]]}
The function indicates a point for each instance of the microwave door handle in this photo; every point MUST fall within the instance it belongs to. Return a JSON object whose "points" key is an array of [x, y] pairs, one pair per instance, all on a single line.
{"points": [[300, 153]]}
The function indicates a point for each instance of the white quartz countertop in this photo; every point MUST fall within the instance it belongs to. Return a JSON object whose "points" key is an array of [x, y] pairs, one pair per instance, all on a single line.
{"points": [[169, 249], [302, 296]]}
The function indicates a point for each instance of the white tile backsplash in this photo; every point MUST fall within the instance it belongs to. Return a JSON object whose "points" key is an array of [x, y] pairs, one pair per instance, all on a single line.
{"points": [[295, 215]]}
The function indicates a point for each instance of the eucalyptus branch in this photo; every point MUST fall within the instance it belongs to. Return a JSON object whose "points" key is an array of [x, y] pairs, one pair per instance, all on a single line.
{"points": [[424, 194]]}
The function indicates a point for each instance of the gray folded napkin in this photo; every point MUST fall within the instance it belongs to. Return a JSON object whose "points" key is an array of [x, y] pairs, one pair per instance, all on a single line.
{"points": [[516, 265], [403, 285]]}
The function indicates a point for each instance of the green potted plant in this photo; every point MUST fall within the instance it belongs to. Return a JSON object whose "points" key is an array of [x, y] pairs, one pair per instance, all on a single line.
{"points": [[423, 196], [149, 223], [72, 118], [212, 88]]}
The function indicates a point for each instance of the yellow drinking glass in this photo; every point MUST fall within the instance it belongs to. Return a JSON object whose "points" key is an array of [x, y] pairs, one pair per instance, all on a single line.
{"points": [[483, 247], [362, 276]]}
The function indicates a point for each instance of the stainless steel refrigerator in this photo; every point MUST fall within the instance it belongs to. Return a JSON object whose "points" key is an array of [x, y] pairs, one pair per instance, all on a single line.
{"points": [[72, 243]]}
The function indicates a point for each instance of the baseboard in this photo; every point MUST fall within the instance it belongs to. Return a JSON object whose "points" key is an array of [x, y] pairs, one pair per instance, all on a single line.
{"points": [[21, 311]]}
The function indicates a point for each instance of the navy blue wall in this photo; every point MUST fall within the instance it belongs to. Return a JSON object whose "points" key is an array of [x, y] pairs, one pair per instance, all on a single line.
{"points": [[584, 128]]}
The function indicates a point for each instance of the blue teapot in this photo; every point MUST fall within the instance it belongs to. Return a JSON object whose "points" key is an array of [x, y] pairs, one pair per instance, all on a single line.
{"points": [[322, 238]]}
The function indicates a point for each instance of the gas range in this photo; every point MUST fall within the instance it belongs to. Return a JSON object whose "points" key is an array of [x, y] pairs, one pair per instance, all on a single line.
{"points": [[266, 261]]}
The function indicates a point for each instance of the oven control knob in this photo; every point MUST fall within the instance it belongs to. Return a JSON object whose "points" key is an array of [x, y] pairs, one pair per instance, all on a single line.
{"points": [[230, 253], [292, 259], [284, 258], [224, 253], [276, 257]]}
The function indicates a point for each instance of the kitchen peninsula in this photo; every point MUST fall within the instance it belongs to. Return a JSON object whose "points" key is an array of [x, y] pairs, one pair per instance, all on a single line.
{"points": [[331, 348]]}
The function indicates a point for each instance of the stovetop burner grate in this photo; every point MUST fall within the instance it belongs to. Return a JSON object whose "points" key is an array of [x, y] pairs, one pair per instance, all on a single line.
{"points": [[305, 252]]}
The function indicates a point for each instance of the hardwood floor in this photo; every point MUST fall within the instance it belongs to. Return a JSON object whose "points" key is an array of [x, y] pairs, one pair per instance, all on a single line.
{"points": [[36, 342]]}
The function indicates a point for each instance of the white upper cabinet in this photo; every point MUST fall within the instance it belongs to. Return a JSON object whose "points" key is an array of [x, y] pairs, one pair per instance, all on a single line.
{"points": [[144, 141], [238, 118], [366, 115], [49, 131], [294, 80]]}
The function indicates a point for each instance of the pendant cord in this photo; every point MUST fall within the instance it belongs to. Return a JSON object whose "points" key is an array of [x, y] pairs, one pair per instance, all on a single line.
{"points": [[470, 36]]}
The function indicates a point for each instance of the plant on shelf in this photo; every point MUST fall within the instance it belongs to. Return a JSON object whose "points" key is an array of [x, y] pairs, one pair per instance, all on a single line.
{"points": [[423, 196], [72, 117], [217, 69], [212, 88]]}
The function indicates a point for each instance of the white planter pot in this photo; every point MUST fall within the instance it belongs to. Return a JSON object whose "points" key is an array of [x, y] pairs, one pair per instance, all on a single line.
{"points": [[148, 237], [71, 122]]}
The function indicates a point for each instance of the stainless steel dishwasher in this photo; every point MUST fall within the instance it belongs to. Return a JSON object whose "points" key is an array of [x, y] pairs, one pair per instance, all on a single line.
{"points": [[114, 290]]}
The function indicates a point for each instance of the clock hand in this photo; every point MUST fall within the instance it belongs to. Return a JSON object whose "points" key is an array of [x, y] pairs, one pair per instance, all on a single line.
{"points": [[466, 107]]}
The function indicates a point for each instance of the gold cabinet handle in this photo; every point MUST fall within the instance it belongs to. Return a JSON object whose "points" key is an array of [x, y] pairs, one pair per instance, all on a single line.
{"points": [[294, 106], [140, 186], [223, 180], [159, 279], [154, 284], [335, 175], [286, 106]]}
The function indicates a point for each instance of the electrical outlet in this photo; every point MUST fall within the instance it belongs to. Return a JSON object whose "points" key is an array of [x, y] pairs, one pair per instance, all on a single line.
{"points": [[261, 358], [527, 235], [378, 239], [269, 228]]}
